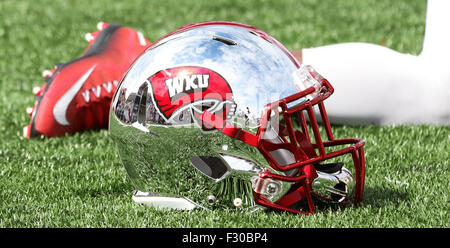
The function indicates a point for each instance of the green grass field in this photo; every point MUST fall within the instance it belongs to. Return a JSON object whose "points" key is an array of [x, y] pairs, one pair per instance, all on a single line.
{"points": [[78, 181]]}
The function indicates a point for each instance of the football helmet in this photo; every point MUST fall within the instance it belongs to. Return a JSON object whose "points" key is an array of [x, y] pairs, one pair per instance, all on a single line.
{"points": [[221, 114]]}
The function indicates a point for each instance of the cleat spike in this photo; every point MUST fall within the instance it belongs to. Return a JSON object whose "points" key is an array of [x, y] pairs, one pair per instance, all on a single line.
{"points": [[29, 110], [100, 26], [89, 37], [47, 73], [26, 131], [36, 90]]}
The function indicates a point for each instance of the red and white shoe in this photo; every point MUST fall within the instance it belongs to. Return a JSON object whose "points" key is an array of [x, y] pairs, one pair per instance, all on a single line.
{"points": [[77, 94]]}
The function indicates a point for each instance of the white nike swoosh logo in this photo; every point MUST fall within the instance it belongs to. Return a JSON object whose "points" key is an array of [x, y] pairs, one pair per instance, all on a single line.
{"points": [[60, 109]]}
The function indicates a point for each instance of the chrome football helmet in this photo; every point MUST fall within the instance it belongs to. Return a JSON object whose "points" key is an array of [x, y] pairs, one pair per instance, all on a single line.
{"points": [[221, 114]]}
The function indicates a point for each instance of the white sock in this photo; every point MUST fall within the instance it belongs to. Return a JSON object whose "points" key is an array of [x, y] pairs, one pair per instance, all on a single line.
{"points": [[377, 85]]}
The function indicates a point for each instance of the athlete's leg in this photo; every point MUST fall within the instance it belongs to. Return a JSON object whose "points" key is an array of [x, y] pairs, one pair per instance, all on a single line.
{"points": [[377, 85], [373, 84]]}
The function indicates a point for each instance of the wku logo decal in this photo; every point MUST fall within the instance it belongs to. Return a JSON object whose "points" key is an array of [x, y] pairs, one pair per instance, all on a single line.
{"points": [[181, 85], [190, 88]]}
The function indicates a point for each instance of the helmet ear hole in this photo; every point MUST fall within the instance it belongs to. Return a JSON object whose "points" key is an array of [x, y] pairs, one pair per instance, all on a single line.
{"points": [[212, 167]]}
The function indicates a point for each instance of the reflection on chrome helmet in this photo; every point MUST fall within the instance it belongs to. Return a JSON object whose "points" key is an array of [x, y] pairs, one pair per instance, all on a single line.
{"points": [[220, 114]]}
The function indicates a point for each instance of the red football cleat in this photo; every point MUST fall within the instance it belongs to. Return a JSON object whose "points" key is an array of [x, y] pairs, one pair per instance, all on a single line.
{"points": [[77, 94]]}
